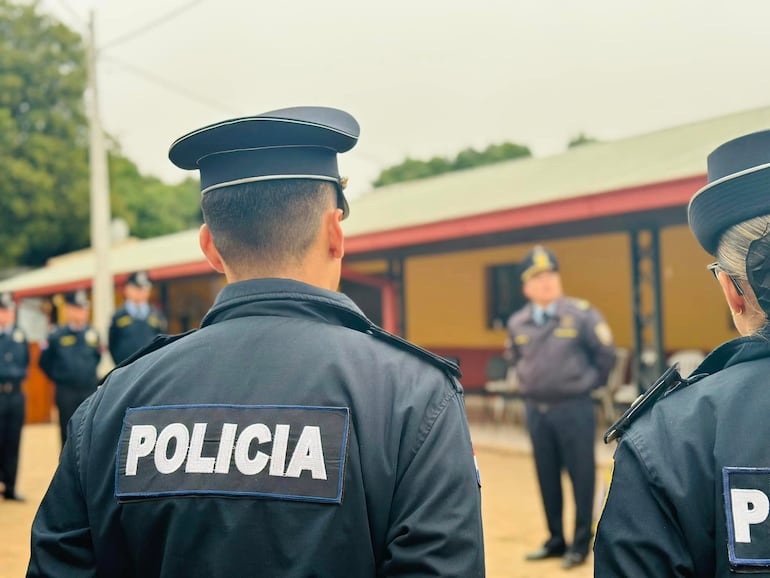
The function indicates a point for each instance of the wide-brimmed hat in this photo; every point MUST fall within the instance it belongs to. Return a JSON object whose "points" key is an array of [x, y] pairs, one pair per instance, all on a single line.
{"points": [[738, 188]]}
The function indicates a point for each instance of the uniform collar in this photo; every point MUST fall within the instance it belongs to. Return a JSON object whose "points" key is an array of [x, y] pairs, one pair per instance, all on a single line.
{"points": [[535, 311], [736, 351], [284, 297]]}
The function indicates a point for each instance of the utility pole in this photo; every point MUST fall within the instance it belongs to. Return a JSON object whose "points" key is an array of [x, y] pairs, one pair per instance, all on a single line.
{"points": [[103, 299]]}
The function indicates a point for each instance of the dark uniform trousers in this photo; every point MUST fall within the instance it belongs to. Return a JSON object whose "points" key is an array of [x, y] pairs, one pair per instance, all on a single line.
{"points": [[563, 433], [11, 422]]}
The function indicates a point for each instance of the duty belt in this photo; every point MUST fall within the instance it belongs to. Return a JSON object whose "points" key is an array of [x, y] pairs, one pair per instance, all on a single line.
{"points": [[10, 387]]}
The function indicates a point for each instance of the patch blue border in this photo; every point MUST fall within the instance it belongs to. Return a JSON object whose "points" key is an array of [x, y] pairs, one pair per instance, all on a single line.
{"points": [[734, 561], [290, 497]]}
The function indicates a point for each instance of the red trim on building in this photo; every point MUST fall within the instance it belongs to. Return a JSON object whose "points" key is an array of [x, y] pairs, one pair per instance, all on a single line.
{"points": [[624, 201], [157, 274]]}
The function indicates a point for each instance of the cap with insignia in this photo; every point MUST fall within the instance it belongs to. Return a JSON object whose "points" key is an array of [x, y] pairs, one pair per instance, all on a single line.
{"points": [[6, 301], [139, 279], [538, 260], [77, 298], [291, 143], [738, 188]]}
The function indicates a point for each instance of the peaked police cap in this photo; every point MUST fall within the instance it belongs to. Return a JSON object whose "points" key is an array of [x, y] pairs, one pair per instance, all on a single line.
{"points": [[538, 260], [77, 298], [139, 279], [738, 188], [6, 301], [291, 143]]}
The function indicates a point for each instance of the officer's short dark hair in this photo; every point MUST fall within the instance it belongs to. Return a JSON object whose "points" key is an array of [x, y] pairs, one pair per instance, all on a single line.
{"points": [[269, 223]]}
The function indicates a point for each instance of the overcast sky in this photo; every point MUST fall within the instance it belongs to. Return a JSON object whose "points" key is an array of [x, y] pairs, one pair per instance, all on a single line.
{"points": [[424, 77]]}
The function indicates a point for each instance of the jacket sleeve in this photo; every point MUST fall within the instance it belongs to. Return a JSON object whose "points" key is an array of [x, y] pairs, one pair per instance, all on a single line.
{"points": [[112, 339], [639, 533], [47, 355], [435, 525], [61, 538], [597, 337]]}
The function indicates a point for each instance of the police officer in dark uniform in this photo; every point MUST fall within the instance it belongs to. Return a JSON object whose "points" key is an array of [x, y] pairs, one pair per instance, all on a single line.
{"points": [[136, 323], [14, 359], [689, 492], [288, 436], [561, 349], [70, 357]]}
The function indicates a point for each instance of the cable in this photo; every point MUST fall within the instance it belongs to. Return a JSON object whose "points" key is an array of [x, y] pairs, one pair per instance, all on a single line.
{"points": [[73, 14], [182, 91], [150, 25]]}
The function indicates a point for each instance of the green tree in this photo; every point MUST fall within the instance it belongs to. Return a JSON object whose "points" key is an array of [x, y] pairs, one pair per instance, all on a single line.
{"points": [[411, 169], [43, 155], [150, 206], [44, 190]]}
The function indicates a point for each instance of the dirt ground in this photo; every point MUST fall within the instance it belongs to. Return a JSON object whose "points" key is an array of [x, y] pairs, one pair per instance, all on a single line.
{"points": [[513, 517]]}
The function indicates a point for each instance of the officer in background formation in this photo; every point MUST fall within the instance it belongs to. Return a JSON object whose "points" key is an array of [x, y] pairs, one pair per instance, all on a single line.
{"points": [[690, 491], [136, 323], [561, 349], [70, 357], [14, 359], [313, 442]]}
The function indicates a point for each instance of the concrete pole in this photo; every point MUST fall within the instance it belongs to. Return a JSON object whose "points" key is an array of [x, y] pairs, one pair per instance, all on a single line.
{"points": [[103, 298]]}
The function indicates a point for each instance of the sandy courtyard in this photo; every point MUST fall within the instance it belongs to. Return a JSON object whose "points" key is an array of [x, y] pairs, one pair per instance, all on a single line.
{"points": [[513, 519]]}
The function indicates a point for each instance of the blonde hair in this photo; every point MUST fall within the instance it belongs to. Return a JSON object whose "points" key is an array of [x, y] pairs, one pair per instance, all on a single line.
{"points": [[731, 255]]}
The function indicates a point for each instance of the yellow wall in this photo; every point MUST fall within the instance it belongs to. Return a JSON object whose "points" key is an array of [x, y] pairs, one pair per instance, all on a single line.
{"points": [[695, 313], [190, 299], [446, 294]]}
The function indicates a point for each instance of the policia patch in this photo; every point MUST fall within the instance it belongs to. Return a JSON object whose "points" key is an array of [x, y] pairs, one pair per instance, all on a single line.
{"points": [[278, 452], [747, 506]]}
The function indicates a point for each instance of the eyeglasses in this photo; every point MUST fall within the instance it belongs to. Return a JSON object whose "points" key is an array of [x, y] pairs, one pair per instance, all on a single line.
{"points": [[715, 269]]}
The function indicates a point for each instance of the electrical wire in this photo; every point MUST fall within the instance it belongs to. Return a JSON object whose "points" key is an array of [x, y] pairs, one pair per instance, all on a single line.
{"points": [[180, 90], [150, 25]]}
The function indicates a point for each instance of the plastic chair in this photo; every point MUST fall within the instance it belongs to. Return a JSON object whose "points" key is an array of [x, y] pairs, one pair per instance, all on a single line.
{"points": [[688, 360], [606, 396]]}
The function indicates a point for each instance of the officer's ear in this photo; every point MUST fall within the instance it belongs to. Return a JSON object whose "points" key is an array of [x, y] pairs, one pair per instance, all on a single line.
{"points": [[209, 250], [735, 301], [335, 237]]}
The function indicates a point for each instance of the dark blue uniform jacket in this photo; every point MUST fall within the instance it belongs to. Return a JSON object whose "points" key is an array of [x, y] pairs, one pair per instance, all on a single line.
{"points": [[690, 475], [127, 334], [317, 447], [14, 355], [71, 357]]}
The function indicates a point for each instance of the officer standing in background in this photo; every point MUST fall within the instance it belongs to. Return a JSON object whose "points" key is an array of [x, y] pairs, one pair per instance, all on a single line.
{"points": [[70, 357], [313, 442], [14, 359], [136, 323], [561, 349]]}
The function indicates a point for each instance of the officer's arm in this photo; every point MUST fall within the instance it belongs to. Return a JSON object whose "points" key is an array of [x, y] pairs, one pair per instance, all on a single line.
{"points": [[511, 354], [638, 533], [112, 340], [435, 525], [61, 538], [597, 337], [46, 355]]}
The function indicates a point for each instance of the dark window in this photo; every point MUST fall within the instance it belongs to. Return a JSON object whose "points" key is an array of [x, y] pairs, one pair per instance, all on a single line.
{"points": [[504, 296]]}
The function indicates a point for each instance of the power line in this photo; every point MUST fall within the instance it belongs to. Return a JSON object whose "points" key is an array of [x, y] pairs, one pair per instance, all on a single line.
{"points": [[73, 14], [180, 90], [150, 25]]}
